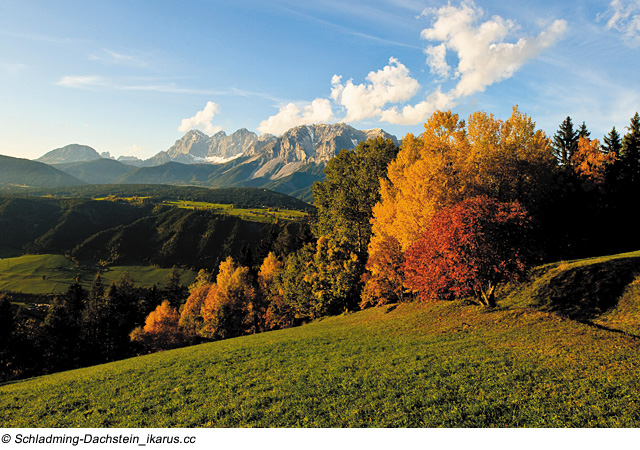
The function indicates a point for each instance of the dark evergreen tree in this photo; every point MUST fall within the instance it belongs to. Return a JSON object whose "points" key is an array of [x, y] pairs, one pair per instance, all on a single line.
{"points": [[612, 142], [62, 330], [7, 323], [583, 132], [565, 141], [630, 154], [173, 290]]}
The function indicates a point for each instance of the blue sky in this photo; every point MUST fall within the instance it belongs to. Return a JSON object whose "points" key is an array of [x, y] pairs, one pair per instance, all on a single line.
{"points": [[130, 77]]}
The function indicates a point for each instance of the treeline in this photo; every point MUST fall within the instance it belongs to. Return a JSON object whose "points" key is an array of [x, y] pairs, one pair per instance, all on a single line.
{"points": [[240, 197], [457, 211], [85, 327], [80, 328]]}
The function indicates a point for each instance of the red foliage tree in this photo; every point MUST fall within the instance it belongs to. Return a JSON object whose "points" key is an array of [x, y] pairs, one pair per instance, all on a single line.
{"points": [[469, 249]]}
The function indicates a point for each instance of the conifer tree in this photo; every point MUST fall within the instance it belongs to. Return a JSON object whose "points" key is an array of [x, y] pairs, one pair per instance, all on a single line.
{"points": [[630, 153], [583, 132], [565, 141], [612, 142]]}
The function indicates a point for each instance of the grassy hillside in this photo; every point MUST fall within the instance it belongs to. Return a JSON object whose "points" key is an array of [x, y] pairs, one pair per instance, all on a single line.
{"points": [[98, 171], [18, 172], [52, 274], [448, 364]]}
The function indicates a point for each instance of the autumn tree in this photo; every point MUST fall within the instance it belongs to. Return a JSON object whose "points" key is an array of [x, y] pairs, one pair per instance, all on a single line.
{"points": [[161, 330], [278, 313], [230, 307], [191, 320], [334, 277], [469, 249], [384, 277], [590, 163], [451, 161]]}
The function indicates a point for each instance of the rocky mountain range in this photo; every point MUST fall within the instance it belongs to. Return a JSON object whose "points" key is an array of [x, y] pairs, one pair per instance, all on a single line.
{"points": [[289, 163]]}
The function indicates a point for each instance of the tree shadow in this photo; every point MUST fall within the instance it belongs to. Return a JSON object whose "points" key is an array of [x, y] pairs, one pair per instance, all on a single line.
{"points": [[585, 292]]}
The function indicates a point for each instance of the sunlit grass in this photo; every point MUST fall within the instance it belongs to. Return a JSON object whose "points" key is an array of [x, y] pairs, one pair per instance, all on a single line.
{"points": [[52, 274], [268, 215]]}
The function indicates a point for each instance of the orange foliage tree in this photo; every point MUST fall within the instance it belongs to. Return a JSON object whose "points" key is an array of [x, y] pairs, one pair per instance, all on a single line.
{"points": [[590, 162], [451, 161], [231, 307], [161, 329], [469, 249], [191, 320], [278, 314]]}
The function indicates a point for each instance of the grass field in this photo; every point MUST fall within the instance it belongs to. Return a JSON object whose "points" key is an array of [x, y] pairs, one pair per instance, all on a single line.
{"points": [[447, 364], [51, 274], [253, 214]]}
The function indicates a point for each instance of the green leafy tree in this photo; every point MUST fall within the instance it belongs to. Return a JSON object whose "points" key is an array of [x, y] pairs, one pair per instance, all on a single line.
{"points": [[349, 192], [612, 142]]}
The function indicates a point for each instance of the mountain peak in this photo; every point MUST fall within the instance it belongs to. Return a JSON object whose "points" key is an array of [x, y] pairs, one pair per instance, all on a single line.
{"points": [[70, 153]]}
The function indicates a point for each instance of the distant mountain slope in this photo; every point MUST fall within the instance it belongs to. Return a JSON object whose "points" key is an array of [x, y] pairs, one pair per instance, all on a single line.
{"points": [[70, 153], [98, 171], [196, 147], [287, 164], [23, 172]]}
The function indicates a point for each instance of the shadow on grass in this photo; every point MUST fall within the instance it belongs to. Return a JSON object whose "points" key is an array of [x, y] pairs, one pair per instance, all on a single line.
{"points": [[583, 293]]}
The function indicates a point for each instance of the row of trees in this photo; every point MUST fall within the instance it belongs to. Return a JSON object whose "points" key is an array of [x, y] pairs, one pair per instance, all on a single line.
{"points": [[80, 328], [457, 211]]}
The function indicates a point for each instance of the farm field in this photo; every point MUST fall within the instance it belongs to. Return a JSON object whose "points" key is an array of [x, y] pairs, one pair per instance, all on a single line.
{"points": [[268, 215], [51, 274], [527, 363]]}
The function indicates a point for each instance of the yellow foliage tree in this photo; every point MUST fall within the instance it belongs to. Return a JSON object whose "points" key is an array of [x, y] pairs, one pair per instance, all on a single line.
{"points": [[230, 308], [590, 162], [506, 160], [161, 329], [191, 319]]}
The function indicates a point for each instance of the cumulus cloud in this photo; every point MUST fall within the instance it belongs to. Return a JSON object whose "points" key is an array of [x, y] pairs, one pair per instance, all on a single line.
{"points": [[484, 56], [292, 115], [466, 49], [202, 120], [625, 18], [392, 84]]}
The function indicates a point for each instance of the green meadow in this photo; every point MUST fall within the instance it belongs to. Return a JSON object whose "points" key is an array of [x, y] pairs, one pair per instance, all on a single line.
{"points": [[268, 215], [532, 362], [52, 274]]}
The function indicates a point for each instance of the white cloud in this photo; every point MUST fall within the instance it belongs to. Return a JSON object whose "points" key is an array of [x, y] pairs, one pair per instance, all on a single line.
{"points": [[484, 56], [625, 18], [291, 115], [484, 51], [392, 84], [109, 57], [202, 120], [437, 60]]}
